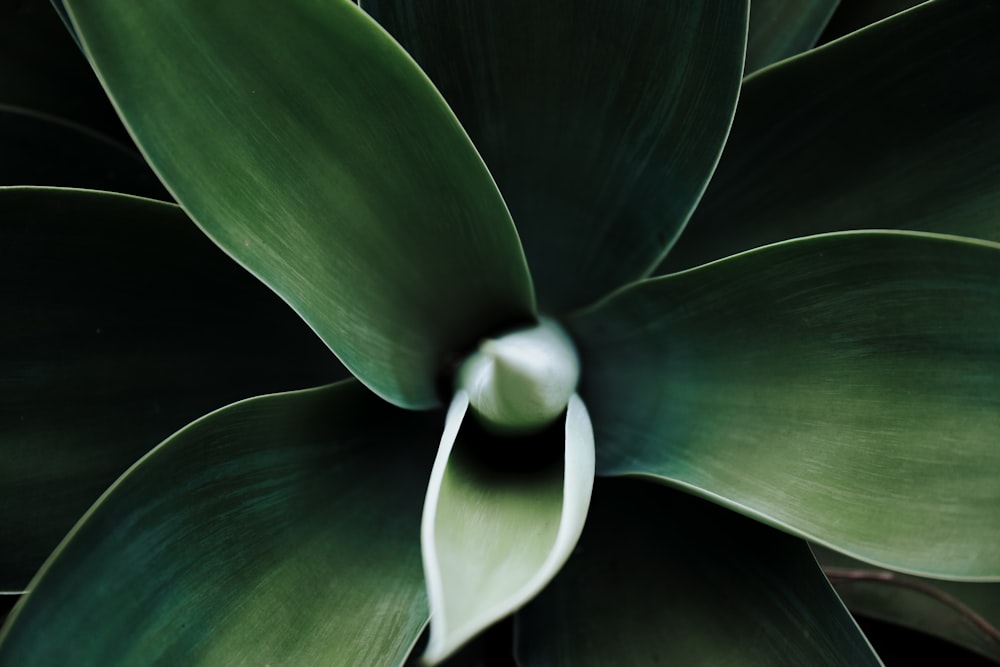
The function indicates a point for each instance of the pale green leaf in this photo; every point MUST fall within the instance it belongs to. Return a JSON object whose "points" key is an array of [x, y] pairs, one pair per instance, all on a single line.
{"points": [[502, 515]]}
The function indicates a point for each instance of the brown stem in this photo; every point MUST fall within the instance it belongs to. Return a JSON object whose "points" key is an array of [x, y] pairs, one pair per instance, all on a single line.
{"points": [[844, 575]]}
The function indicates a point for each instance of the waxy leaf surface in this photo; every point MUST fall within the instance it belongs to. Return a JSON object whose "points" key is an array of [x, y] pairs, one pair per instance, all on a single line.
{"points": [[661, 577], [308, 145], [280, 530], [855, 135], [122, 323], [844, 387], [601, 122]]}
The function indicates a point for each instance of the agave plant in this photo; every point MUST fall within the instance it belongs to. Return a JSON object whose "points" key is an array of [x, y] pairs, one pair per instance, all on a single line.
{"points": [[765, 379]]}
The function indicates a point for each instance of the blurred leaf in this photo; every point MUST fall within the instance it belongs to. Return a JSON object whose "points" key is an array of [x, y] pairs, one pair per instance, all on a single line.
{"points": [[501, 517], [45, 150], [856, 135], [843, 387], [601, 122], [967, 614], [854, 15], [661, 577], [43, 69], [780, 29], [279, 530], [311, 148], [122, 323]]}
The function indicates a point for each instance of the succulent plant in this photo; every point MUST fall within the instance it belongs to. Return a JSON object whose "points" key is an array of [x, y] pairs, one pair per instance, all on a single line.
{"points": [[494, 250]]}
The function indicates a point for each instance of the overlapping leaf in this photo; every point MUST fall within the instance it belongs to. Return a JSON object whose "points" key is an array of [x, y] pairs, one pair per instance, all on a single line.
{"points": [[280, 530], [844, 387], [856, 135], [122, 323], [664, 578], [306, 143], [601, 122]]}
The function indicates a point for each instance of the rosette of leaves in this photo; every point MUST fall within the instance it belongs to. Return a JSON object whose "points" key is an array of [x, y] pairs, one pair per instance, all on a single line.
{"points": [[479, 206]]}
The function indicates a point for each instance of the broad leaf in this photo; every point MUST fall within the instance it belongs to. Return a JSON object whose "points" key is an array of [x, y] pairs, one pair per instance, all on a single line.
{"points": [[664, 578], [601, 122], [967, 614], [842, 387], [502, 515], [39, 149], [122, 323], [780, 29], [279, 530], [306, 143], [856, 135]]}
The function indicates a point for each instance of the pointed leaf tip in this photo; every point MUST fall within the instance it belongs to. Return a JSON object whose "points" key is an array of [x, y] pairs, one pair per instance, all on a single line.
{"points": [[497, 528]]}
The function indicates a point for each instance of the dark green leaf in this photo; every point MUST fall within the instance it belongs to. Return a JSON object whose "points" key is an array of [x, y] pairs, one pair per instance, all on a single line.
{"points": [[502, 515], [306, 143], [122, 323], [857, 135], [43, 69], [661, 577], [843, 387], [967, 614], [853, 15], [780, 29], [601, 122], [282, 530], [44, 150]]}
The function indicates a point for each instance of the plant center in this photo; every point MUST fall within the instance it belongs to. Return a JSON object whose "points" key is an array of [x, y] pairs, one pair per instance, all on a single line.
{"points": [[522, 381]]}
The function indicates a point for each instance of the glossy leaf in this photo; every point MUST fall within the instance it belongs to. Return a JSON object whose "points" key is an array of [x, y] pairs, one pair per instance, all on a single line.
{"points": [[44, 150], [122, 323], [601, 122], [501, 517], [967, 614], [664, 578], [856, 135], [842, 387], [306, 143], [780, 29], [279, 530]]}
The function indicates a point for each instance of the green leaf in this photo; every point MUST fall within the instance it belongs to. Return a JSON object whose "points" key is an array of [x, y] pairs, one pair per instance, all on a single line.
{"points": [[279, 530], [44, 150], [780, 29], [855, 135], [843, 387], [664, 578], [502, 515], [307, 144], [967, 614], [601, 122], [122, 323]]}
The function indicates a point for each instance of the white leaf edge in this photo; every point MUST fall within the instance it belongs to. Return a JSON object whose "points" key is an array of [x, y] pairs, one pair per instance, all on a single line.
{"points": [[578, 484]]}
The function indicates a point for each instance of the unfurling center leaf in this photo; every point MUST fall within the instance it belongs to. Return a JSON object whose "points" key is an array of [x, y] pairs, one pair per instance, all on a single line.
{"points": [[497, 524]]}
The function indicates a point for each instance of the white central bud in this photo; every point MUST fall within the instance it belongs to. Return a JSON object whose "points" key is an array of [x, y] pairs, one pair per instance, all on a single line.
{"points": [[522, 381]]}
